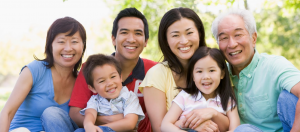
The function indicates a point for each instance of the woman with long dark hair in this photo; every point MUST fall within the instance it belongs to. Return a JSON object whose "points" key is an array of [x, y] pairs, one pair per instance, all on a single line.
{"points": [[180, 34]]}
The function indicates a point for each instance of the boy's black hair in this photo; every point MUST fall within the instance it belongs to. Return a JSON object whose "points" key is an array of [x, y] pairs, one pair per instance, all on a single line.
{"points": [[98, 60], [224, 90]]}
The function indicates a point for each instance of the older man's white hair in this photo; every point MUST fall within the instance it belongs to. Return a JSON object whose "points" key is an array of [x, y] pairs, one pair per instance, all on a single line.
{"points": [[246, 15]]}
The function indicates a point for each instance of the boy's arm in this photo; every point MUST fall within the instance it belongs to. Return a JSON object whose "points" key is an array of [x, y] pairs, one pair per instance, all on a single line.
{"points": [[89, 120], [100, 120], [126, 124]]}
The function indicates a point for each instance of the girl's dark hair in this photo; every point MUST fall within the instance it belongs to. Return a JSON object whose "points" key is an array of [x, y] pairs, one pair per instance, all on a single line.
{"points": [[224, 90], [168, 19], [63, 25]]}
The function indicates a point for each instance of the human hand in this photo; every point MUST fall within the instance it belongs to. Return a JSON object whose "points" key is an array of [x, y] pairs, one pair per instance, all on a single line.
{"points": [[198, 116], [179, 123], [92, 128], [207, 126]]}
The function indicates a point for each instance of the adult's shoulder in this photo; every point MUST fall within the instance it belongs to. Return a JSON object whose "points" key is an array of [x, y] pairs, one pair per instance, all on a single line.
{"points": [[161, 66], [148, 64], [274, 61], [37, 69]]}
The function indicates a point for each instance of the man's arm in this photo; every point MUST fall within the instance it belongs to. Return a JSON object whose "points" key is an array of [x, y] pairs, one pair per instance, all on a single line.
{"points": [[296, 91]]}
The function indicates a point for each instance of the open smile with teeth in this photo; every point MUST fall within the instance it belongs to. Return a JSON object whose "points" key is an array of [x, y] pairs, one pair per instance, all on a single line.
{"points": [[111, 90], [130, 47], [185, 48], [234, 53], [206, 84], [67, 56]]}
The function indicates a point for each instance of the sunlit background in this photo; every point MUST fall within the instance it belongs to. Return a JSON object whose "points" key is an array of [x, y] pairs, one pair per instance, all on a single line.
{"points": [[24, 24]]}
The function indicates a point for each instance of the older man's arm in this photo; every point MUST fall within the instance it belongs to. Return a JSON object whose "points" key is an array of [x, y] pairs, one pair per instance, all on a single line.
{"points": [[296, 91]]}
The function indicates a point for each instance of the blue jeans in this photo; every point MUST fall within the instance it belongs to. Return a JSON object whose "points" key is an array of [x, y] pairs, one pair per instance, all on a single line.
{"points": [[286, 108], [247, 128], [55, 119], [103, 128]]}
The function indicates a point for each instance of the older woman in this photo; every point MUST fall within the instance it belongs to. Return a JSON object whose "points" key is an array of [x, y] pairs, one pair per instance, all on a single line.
{"points": [[39, 100]]}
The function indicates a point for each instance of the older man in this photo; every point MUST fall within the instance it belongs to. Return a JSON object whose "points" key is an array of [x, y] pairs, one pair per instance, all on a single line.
{"points": [[259, 79]]}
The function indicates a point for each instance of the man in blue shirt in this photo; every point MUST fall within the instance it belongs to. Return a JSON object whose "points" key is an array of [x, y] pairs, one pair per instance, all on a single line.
{"points": [[263, 83]]}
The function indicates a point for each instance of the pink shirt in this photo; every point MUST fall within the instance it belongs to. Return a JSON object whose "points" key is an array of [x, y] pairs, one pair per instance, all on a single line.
{"points": [[188, 103]]}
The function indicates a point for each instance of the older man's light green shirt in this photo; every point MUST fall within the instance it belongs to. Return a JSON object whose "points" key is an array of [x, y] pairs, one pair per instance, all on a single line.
{"points": [[258, 87]]}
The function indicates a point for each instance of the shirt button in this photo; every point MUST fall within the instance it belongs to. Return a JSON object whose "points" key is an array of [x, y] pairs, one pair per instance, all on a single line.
{"points": [[240, 94], [241, 105], [249, 75]]}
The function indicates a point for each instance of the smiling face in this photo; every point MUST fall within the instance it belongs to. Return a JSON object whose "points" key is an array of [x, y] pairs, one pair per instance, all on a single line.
{"points": [[235, 42], [130, 39], [183, 39], [107, 81], [207, 76], [67, 50]]}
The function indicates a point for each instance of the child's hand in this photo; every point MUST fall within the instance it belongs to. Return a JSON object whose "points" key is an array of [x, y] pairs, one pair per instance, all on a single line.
{"points": [[179, 123], [198, 116], [207, 126], [92, 128]]}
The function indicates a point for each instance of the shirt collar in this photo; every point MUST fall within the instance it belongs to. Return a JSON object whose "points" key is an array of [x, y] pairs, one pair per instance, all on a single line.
{"points": [[247, 71], [200, 96], [138, 72], [122, 94]]}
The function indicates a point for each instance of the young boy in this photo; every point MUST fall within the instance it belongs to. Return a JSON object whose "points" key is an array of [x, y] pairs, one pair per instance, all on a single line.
{"points": [[103, 76]]}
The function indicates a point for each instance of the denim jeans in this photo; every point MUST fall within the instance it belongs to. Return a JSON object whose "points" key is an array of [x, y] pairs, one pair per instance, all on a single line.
{"points": [[103, 128], [55, 119], [286, 108], [247, 128]]}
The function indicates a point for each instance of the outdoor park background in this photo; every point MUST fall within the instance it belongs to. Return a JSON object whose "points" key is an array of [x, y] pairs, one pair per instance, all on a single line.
{"points": [[24, 24]]}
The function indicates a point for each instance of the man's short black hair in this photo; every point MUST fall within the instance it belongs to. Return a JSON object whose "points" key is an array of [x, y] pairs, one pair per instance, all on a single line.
{"points": [[98, 60], [130, 12]]}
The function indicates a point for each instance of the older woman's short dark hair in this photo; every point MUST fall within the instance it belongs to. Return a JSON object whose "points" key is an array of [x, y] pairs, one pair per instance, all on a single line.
{"points": [[63, 25]]}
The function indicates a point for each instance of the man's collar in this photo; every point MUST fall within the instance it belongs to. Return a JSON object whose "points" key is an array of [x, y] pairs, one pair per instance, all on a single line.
{"points": [[138, 72], [247, 71]]}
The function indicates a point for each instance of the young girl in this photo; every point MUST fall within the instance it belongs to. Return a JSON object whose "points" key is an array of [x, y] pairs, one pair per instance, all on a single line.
{"points": [[208, 87]]}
